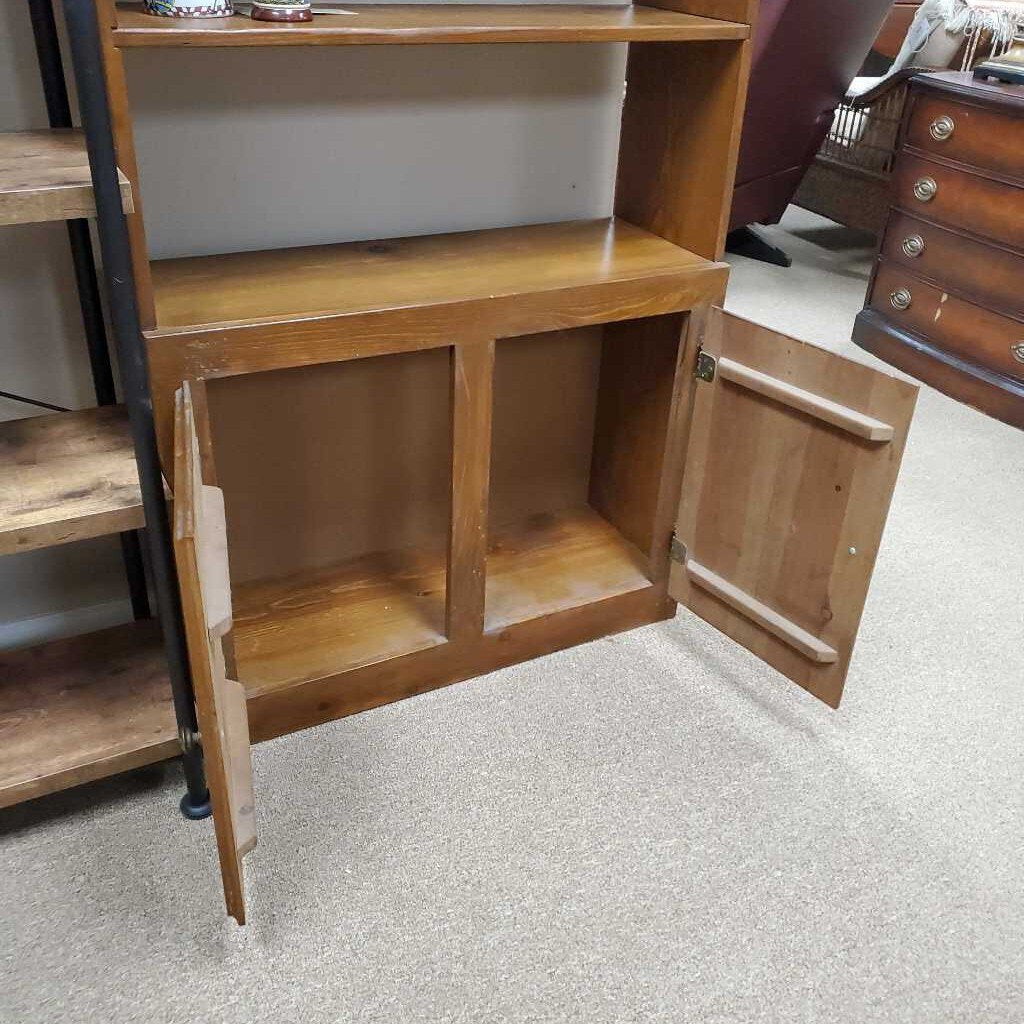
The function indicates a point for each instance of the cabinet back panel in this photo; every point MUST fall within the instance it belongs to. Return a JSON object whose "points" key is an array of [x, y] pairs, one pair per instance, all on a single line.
{"points": [[638, 378], [545, 398], [326, 463]]}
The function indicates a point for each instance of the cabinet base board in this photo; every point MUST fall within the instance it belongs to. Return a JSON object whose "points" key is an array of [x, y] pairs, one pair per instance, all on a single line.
{"points": [[311, 703]]}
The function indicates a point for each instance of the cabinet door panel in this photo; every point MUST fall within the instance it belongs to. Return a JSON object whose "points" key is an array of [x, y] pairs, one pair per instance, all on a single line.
{"points": [[200, 548], [792, 461]]}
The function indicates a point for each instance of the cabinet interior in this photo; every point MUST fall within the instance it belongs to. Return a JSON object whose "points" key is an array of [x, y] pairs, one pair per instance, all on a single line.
{"points": [[337, 481], [580, 419]]}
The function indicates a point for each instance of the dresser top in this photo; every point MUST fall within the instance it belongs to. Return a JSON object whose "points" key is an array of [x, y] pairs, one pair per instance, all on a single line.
{"points": [[965, 85]]}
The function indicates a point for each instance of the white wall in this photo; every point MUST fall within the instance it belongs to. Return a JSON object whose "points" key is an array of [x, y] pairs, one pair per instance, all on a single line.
{"points": [[245, 149], [250, 149]]}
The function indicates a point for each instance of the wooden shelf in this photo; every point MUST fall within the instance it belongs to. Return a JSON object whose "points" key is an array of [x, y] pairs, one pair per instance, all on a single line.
{"points": [[314, 624], [435, 23], [44, 176], [553, 562], [67, 477], [77, 710], [281, 285]]}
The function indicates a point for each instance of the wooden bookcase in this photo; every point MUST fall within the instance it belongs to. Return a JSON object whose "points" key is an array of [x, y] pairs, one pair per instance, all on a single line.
{"points": [[416, 460]]}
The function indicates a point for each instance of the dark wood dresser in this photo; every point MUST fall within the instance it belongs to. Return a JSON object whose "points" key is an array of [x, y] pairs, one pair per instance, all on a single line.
{"points": [[946, 300]]}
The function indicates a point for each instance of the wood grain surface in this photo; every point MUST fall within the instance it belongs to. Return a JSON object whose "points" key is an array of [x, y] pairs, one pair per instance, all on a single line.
{"points": [[44, 175], [72, 711], [320, 465], [825, 409], [383, 605], [980, 203], [275, 711], [785, 507], [436, 23], [399, 273], [954, 259], [123, 130], [963, 379], [680, 139], [961, 327], [639, 364], [472, 375], [339, 617], [945, 301], [542, 442], [365, 299], [66, 477], [556, 561], [201, 558], [991, 139]]}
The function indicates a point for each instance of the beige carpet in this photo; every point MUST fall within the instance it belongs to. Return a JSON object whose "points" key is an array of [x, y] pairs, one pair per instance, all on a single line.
{"points": [[651, 828]]}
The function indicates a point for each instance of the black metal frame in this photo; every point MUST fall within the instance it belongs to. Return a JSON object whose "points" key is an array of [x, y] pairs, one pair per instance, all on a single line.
{"points": [[112, 229], [58, 109]]}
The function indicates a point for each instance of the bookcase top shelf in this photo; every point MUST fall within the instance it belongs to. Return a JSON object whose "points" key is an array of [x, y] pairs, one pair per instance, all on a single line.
{"points": [[430, 23]]}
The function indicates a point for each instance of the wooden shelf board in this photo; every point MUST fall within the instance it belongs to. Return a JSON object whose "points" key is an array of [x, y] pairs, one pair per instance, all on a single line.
{"points": [[435, 23], [77, 710], [553, 562], [66, 477], [315, 624], [44, 176], [282, 285]]}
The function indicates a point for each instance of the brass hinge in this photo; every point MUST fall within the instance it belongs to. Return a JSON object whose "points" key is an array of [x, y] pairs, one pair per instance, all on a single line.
{"points": [[706, 366], [677, 550]]}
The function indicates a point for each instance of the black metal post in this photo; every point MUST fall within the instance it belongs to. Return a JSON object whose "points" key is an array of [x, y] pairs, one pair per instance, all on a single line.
{"points": [[58, 109], [93, 102]]}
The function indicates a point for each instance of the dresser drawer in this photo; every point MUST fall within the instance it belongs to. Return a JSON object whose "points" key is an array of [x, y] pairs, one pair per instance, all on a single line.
{"points": [[980, 205], [985, 273], [968, 331], [987, 139]]}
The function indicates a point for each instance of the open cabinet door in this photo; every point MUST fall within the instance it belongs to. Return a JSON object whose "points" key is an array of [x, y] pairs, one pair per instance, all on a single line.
{"points": [[200, 549], [791, 463]]}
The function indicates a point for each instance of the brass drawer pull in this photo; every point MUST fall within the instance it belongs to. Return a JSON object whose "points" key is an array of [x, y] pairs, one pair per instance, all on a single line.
{"points": [[925, 189], [942, 128], [913, 246], [1017, 351], [901, 298]]}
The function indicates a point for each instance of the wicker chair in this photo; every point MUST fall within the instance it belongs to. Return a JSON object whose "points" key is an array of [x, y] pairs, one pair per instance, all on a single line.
{"points": [[849, 181]]}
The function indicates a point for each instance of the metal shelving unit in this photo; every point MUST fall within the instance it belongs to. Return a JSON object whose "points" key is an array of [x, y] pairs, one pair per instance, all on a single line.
{"points": [[113, 700]]}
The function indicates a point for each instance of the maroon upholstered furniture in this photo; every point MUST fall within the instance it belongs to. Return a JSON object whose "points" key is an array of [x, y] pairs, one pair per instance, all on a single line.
{"points": [[806, 53]]}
